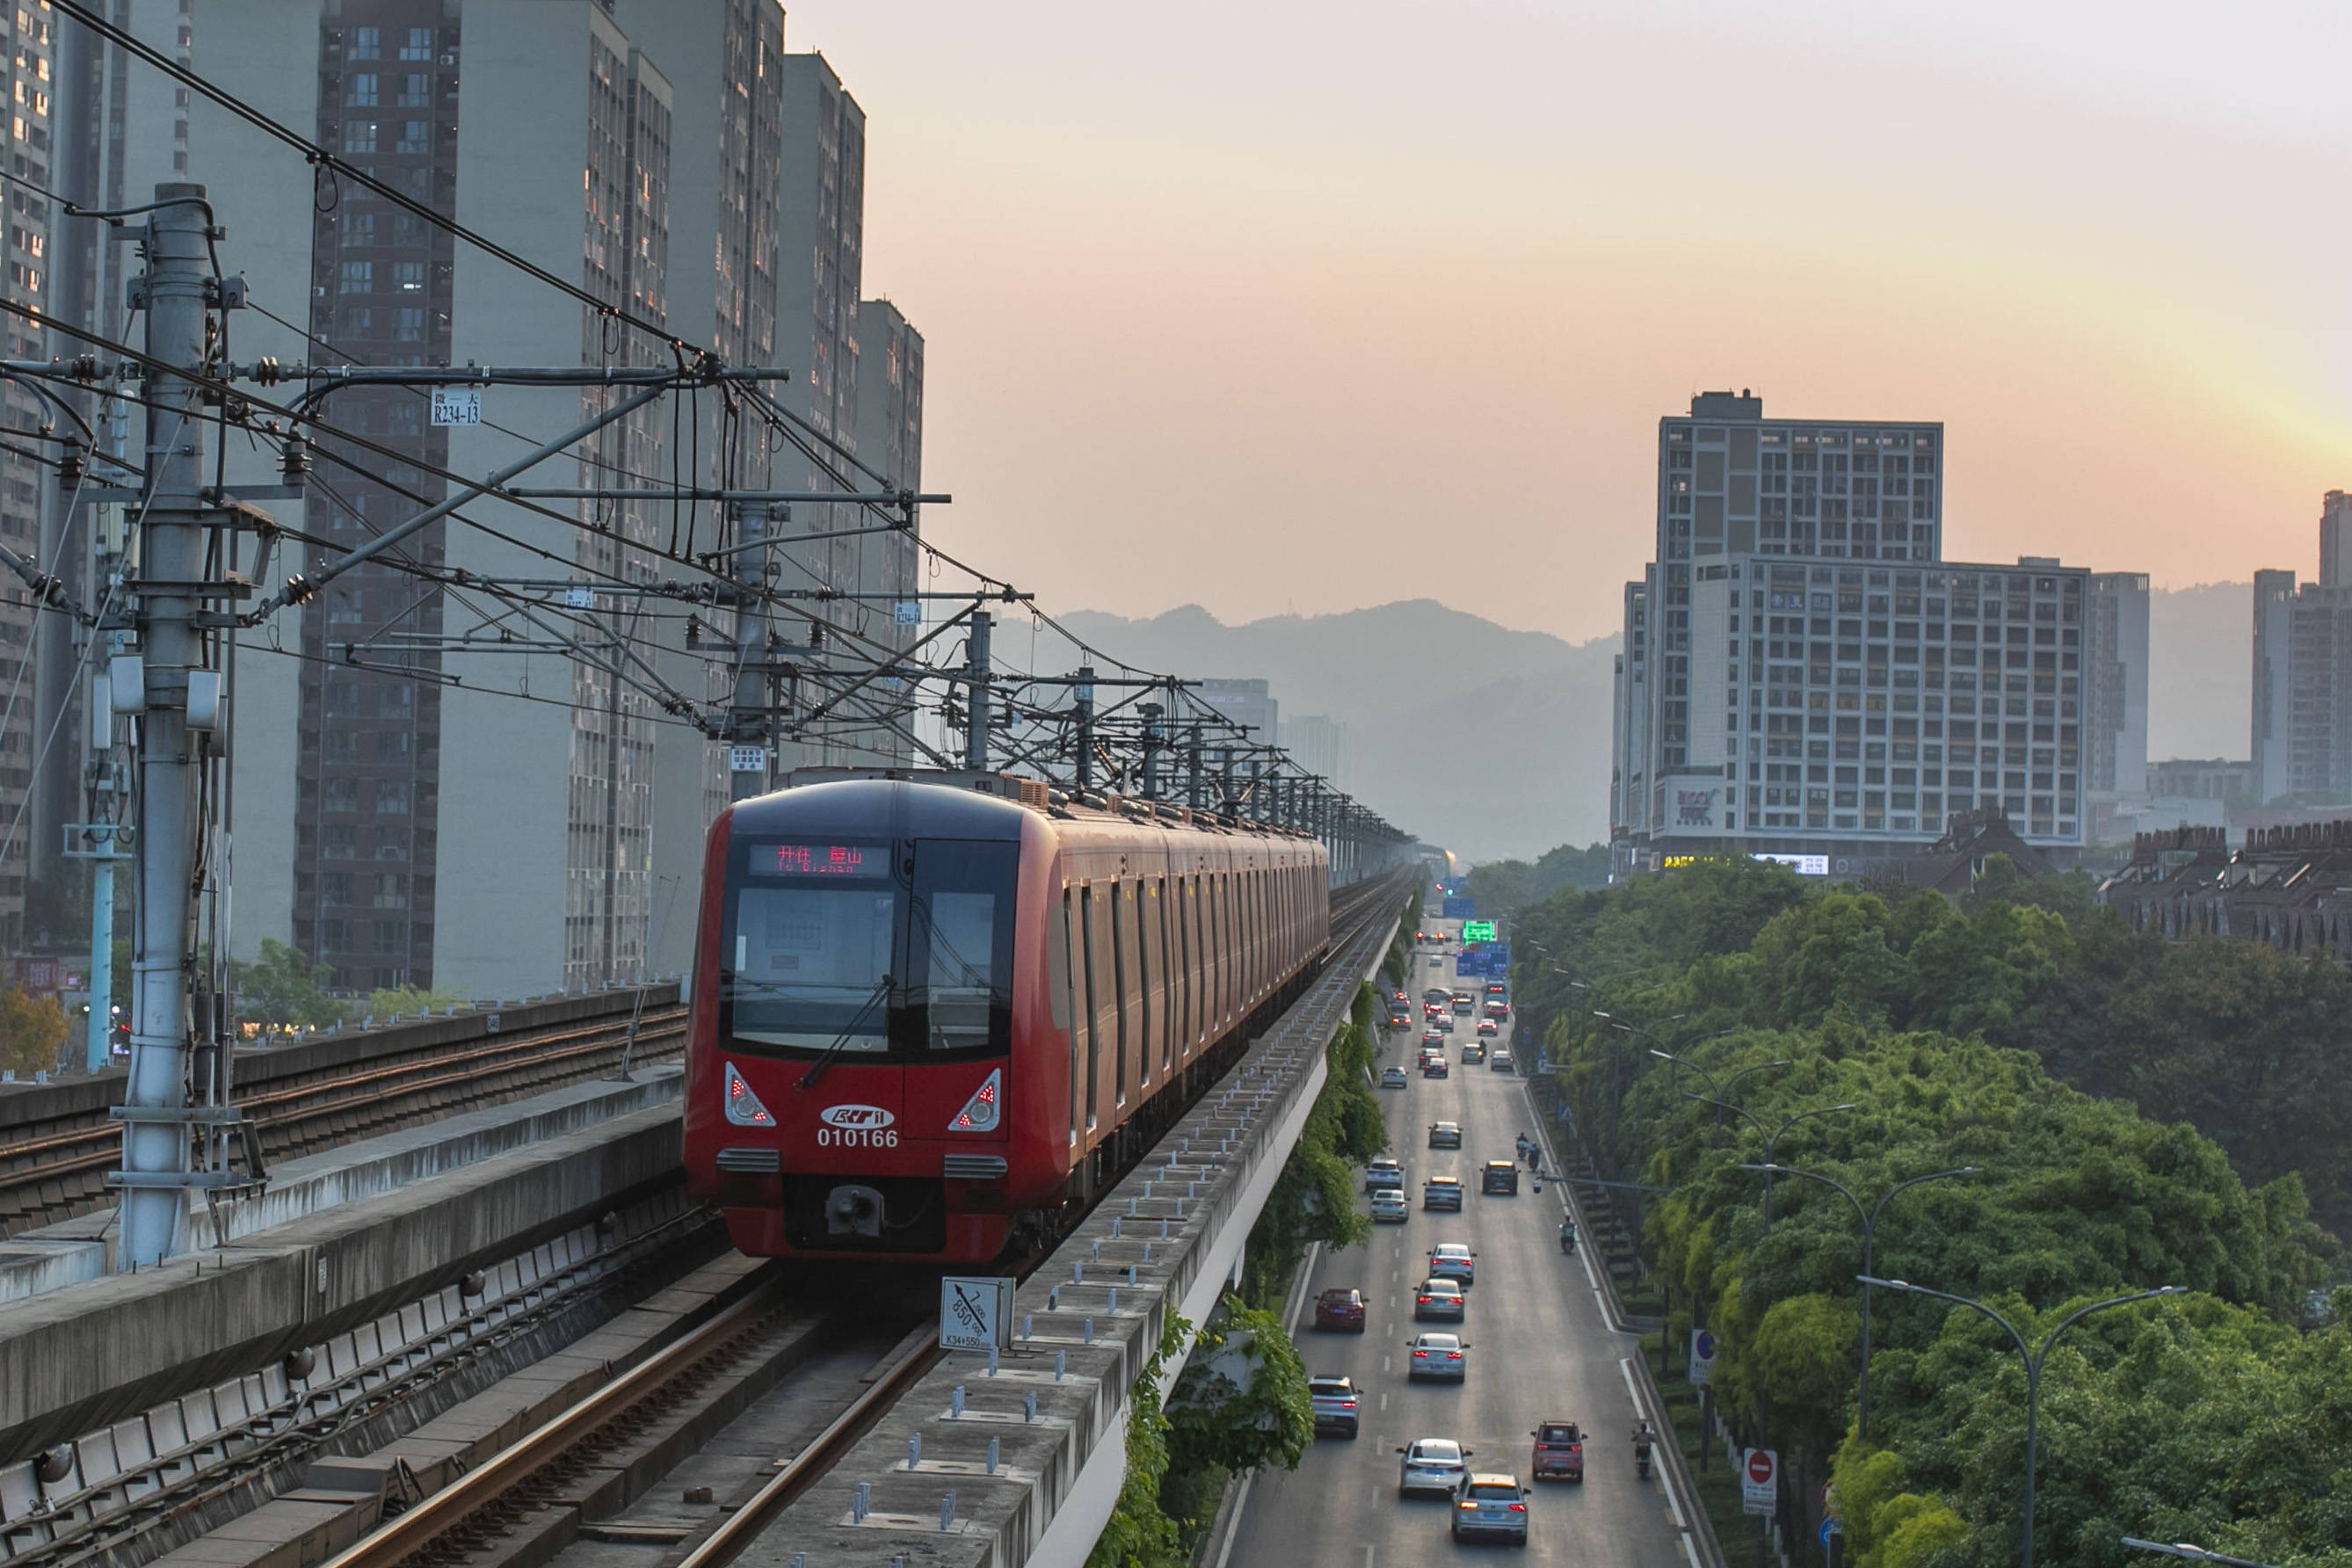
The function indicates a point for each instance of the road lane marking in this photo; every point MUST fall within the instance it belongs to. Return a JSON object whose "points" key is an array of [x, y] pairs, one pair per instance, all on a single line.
{"points": [[1368, 1554], [1384, 1402], [1689, 1550], [1666, 1474], [1233, 1525]]}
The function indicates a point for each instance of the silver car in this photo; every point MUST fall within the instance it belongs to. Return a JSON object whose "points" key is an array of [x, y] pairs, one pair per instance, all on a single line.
{"points": [[1491, 1505], [1443, 1358], [1388, 1207], [1431, 1465]]}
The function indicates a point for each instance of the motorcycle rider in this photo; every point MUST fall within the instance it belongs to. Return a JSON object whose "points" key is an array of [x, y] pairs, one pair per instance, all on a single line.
{"points": [[1568, 1236], [1643, 1436]]}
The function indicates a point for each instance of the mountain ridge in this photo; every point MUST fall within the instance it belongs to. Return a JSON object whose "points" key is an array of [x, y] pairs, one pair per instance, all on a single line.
{"points": [[1490, 741]]}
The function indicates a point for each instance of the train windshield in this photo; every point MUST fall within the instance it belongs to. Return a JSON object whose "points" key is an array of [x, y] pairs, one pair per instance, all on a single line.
{"points": [[901, 949]]}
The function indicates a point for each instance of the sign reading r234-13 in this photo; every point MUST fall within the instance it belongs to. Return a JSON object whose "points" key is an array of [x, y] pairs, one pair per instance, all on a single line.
{"points": [[975, 1313]]}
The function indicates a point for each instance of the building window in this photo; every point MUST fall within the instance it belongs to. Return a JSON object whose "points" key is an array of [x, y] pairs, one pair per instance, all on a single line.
{"points": [[408, 326], [358, 278], [391, 797], [416, 90], [392, 890], [363, 91], [340, 794], [419, 45], [335, 888], [359, 136], [408, 277], [415, 138], [366, 44]]}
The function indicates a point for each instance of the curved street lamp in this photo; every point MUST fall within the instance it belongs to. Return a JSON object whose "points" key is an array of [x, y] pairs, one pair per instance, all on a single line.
{"points": [[1869, 1258], [1772, 1135], [2194, 1553], [2033, 1360]]}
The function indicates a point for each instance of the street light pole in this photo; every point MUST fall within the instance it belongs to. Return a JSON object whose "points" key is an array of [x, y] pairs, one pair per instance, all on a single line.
{"points": [[2194, 1553], [2033, 1360], [1771, 1137], [1869, 1259]]}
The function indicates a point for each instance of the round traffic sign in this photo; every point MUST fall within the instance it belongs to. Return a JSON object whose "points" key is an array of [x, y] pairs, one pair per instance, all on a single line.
{"points": [[1706, 1345], [1832, 1525], [1759, 1466]]}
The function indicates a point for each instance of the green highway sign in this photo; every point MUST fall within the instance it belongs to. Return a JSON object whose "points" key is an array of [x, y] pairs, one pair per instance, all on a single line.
{"points": [[1478, 931]]}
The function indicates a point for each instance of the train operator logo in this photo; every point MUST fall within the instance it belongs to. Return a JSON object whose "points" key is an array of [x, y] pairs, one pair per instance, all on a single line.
{"points": [[856, 1126]]}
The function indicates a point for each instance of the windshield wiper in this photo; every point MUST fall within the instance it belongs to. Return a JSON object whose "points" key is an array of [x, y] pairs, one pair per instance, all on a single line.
{"points": [[841, 1042]]}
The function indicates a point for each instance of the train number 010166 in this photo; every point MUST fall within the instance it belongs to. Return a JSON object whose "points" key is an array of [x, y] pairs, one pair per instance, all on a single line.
{"points": [[857, 1138]]}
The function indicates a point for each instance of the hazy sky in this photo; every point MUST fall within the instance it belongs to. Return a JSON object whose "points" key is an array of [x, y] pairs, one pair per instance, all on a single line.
{"points": [[1313, 305]]}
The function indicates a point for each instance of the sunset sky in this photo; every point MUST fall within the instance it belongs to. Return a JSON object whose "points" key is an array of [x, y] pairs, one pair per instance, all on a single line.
{"points": [[1309, 306]]}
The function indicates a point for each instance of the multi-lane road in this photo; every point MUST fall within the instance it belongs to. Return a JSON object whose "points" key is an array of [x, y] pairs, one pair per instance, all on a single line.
{"points": [[1540, 1350]]}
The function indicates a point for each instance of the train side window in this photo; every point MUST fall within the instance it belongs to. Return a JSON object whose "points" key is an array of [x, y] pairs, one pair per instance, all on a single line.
{"points": [[1143, 973], [1063, 982], [1121, 970], [1089, 929], [1213, 962], [1161, 901], [1194, 999]]}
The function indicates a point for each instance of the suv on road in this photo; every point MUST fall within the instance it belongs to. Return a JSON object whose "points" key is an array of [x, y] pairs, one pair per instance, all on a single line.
{"points": [[1383, 1172], [1560, 1451], [1334, 1399], [1431, 1465], [1491, 1505], [1499, 1176], [1445, 1134], [1442, 1193]]}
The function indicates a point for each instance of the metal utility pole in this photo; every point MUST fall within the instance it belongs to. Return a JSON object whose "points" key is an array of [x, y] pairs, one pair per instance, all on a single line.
{"points": [[1192, 782], [975, 740], [1082, 697], [178, 699], [1150, 741], [748, 729]]}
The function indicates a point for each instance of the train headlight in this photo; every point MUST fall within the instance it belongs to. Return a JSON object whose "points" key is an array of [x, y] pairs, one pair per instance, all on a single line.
{"points": [[743, 1106], [982, 1111]]}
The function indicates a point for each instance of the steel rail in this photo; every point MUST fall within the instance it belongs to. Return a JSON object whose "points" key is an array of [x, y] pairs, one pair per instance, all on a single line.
{"points": [[412, 1531], [812, 1464]]}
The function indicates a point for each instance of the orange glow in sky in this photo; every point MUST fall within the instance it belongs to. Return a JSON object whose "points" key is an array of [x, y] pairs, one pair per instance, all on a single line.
{"points": [[1313, 305]]}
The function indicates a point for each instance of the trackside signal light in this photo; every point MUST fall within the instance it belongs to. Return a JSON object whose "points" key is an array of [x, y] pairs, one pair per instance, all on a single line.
{"points": [[980, 1113], [743, 1106]]}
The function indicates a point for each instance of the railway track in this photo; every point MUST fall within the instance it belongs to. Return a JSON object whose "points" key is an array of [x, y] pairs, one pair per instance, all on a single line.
{"points": [[522, 1505], [54, 1171]]}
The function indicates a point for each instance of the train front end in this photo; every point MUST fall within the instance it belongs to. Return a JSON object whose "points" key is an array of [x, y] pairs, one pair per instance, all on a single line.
{"points": [[858, 995]]}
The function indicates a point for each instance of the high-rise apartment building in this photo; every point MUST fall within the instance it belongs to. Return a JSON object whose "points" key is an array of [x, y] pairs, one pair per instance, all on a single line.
{"points": [[29, 32], [1248, 703], [2115, 685], [1319, 744], [501, 816], [2302, 731], [1804, 675], [2335, 540]]}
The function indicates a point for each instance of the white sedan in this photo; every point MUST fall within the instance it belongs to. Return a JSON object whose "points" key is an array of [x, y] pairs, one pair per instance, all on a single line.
{"points": [[1431, 1465]]}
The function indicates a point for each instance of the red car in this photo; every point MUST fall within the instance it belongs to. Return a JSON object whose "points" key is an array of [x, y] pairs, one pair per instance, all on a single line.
{"points": [[1560, 1451], [1341, 1309]]}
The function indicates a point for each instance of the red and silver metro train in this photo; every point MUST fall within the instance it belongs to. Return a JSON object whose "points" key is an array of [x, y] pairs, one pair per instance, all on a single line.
{"points": [[928, 1020]]}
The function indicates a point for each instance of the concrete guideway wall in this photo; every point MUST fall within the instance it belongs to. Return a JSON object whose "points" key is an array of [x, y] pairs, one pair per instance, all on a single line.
{"points": [[75, 1359], [1060, 1475], [78, 1250]]}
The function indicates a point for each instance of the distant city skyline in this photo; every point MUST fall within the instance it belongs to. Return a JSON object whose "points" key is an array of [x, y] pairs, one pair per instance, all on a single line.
{"points": [[1214, 284]]}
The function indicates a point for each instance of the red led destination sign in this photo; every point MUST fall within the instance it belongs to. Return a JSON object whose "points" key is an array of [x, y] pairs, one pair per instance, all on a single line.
{"points": [[818, 859]]}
